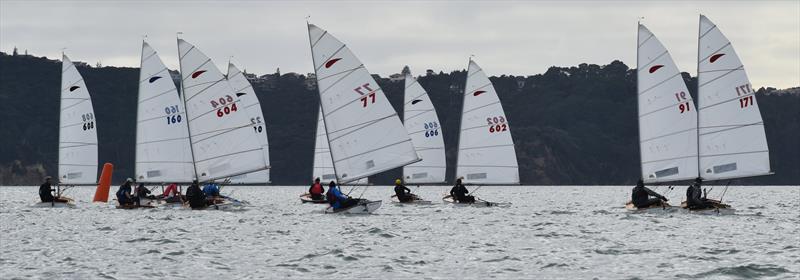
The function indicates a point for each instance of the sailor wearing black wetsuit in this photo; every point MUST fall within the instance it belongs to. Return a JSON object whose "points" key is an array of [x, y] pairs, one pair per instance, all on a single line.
{"points": [[45, 192], [459, 193], [196, 196], [402, 192], [640, 196], [695, 198]]}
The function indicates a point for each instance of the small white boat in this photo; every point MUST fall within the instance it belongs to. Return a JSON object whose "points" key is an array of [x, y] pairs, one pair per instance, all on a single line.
{"points": [[665, 207], [417, 200], [718, 208], [69, 204], [306, 198], [478, 202], [363, 207]]}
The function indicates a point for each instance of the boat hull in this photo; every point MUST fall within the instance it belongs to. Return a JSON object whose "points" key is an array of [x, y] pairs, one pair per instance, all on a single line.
{"points": [[718, 208], [652, 209], [366, 207], [69, 204], [306, 198], [478, 202]]}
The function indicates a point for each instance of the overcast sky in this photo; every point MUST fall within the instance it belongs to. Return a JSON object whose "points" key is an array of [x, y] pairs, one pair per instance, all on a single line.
{"points": [[514, 37]]}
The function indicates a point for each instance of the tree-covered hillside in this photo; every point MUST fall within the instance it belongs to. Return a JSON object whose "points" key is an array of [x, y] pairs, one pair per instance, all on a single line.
{"points": [[571, 125]]}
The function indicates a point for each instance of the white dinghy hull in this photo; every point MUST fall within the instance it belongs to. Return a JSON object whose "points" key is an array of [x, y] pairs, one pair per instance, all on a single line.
{"points": [[366, 207]]}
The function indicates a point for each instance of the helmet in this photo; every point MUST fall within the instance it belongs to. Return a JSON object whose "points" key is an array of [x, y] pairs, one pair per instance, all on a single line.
{"points": [[129, 180], [398, 181]]}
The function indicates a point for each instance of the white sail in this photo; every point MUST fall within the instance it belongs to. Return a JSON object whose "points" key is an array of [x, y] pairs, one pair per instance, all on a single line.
{"points": [[364, 132], [323, 163], [486, 152], [163, 154], [244, 90], [667, 116], [422, 124], [732, 140], [77, 134], [222, 138]]}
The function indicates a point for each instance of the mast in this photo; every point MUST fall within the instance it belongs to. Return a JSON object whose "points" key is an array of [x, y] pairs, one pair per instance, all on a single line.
{"points": [[321, 108], [639, 127], [697, 82], [183, 97], [461, 120]]}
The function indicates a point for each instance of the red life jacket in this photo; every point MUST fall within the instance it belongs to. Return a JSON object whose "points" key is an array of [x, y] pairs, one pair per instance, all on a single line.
{"points": [[316, 189]]}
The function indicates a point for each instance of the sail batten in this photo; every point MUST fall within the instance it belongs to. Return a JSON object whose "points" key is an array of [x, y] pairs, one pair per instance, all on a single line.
{"points": [[77, 141], [667, 115], [364, 133], [227, 146], [491, 144], [162, 138], [732, 141]]}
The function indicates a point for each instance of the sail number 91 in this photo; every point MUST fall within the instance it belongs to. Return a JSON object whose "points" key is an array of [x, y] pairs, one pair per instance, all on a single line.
{"points": [[683, 106], [227, 105], [497, 124]]}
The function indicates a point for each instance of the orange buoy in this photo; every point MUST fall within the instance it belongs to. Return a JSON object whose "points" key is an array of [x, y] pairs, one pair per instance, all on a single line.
{"points": [[101, 194]]}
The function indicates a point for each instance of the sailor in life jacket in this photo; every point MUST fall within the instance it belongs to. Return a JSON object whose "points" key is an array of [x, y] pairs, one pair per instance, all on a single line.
{"points": [[337, 200], [316, 190]]}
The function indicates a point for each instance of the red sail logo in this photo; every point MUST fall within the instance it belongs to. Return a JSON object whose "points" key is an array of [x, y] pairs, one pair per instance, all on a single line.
{"points": [[331, 62], [655, 68], [479, 92], [198, 73], [715, 57]]}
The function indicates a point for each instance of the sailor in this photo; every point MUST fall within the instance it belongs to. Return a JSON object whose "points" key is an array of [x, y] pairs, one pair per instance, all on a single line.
{"points": [[459, 193], [336, 199], [197, 198], [640, 196], [316, 190], [695, 199], [124, 196], [211, 189], [171, 194], [402, 192], [45, 191], [143, 192]]}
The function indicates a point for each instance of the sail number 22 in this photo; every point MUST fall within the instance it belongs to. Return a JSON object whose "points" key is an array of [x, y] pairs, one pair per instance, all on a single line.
{"points": [[227, 103]]}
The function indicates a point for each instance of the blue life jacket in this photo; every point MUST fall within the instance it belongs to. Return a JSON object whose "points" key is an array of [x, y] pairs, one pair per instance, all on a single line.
{"points": [[338, 197], [211, 189]]}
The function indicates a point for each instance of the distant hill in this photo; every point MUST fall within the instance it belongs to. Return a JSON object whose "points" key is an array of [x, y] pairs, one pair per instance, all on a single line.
{"points": [[571, 125]]}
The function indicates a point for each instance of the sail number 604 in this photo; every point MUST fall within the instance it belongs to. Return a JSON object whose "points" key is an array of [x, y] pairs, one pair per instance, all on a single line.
{"points": [[227, 103]]}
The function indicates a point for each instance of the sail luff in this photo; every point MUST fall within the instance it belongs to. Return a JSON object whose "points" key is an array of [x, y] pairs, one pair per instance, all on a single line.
{"points": [[732, 143], [426, 134], [666, 114], [244, 90], [227, 147], [77, 147], [162, 138], [485, 156], [365, 134]]}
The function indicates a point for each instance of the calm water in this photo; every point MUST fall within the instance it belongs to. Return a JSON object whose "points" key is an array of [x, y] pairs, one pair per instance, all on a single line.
{"points": [[548, 232]]}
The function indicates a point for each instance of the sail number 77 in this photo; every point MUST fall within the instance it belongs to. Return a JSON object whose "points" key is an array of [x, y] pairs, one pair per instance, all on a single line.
{"points": [[367, 97]]}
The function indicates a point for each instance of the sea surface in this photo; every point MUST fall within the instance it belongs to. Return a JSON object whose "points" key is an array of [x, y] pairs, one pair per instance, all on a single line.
{"points": [[548, 232]]}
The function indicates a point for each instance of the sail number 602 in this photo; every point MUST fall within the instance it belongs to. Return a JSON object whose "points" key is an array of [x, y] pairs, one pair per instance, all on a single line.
{"points": [[497, 124]]}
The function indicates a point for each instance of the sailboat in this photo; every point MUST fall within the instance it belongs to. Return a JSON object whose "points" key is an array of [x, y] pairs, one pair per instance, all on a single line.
{"points": [[221, 134], [244, 90], [364, 133], [422, 124], [77, 135], [163, 154], [731, 139], [667, 116], [486, 154], [323, 162]]}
